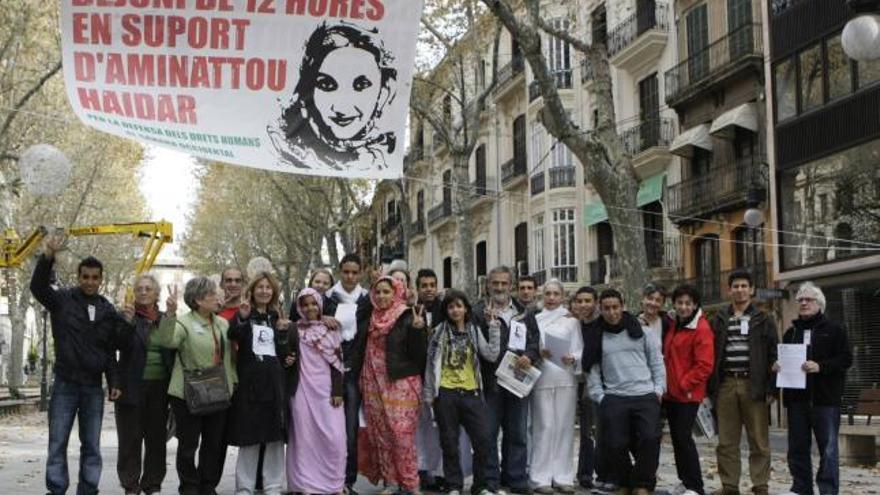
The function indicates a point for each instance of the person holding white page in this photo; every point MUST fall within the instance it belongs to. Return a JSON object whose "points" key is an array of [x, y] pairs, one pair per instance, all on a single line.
{"points": [[508, 414], [554, 398], [815, 410]]}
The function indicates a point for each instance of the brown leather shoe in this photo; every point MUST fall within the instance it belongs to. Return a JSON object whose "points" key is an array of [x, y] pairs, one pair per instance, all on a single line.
{"points": [[760, 490]]}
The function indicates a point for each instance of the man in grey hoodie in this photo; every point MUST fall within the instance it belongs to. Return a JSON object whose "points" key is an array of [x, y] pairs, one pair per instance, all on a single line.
{"points": [[627, 379]]}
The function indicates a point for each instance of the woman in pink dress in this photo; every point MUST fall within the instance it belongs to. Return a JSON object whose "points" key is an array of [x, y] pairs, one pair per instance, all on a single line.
{"points": [[316, 450], [391, 383]]}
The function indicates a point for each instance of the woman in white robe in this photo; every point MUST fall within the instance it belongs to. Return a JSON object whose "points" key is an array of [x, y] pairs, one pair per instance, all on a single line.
{"points": [[554, 397]]}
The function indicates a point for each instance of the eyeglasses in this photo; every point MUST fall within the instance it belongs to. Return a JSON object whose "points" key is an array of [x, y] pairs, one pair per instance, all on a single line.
{"points": [[805, 300]]}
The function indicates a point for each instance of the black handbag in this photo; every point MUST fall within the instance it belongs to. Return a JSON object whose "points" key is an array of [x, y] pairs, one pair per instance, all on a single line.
{"points": [[206, 390]]}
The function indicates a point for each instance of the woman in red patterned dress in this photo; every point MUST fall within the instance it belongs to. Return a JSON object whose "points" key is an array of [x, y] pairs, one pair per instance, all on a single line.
{"points": [[391, 383]]}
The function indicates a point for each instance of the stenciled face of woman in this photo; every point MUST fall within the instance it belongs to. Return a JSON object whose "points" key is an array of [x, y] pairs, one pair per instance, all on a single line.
{"points": [[347, 90]]}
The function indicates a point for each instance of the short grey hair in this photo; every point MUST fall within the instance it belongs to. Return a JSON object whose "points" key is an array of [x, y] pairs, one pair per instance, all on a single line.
{"points": [[150, 278], [809, 289], [197, 288], [501, 269], [557, 283]]}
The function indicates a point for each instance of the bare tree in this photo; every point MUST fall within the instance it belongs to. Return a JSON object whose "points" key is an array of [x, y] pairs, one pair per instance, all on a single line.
{"points": [[606, 164]]}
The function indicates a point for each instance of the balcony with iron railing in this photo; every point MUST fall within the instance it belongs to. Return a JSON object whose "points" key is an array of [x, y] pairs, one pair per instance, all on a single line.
{"points": [[537, 183], [604, 270], [565, 274], [648, 144], [480, 194], [648, 134], [665, 254], [561, 77], [561, 177], [439, 213], [508, 75], [741, 49], [639, 40], [713, 287], [417, 228], [725, 187], [512, 170]]}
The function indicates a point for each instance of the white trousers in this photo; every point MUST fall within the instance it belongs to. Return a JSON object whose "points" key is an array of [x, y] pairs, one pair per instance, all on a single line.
{"points": [[273, 469], [551, 459]]}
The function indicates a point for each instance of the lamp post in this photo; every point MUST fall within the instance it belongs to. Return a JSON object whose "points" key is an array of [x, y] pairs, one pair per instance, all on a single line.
{"points": [[861, 35], [44, 382]]}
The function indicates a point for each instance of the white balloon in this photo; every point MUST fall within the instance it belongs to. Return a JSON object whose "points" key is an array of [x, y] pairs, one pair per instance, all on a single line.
{"points": [[861, 38], [45, 170], [753, 217], [257, 265]]}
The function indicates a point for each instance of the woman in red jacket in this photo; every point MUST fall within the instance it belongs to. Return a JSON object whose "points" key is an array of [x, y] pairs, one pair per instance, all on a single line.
{"points": [[689, 353]]}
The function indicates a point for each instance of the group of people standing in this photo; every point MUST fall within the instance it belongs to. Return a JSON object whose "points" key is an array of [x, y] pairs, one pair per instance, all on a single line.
{"points": [[398, 383]]}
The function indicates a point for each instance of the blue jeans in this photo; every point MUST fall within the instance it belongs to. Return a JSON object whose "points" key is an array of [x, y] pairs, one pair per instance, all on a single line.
{"points": [[509, 413], [804, 421], [352, 402], [85, 402]]}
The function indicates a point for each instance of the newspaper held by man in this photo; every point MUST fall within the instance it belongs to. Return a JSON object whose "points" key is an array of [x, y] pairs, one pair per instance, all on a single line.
{"points": [[517, 380]]}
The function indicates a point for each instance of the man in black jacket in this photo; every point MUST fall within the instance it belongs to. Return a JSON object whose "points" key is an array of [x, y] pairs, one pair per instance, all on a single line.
{"points": [[507, 412], [816, 409], [85, 327]]}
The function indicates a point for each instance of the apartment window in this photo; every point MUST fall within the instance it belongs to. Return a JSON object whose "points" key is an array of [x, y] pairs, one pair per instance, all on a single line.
{"points": [[561, 156], [521, 247], [481, 74], [420, 205], [811, 77], [749, 250], [785, 88], [480, 169], [392, 211], [559, 55], [842, 185], [869, 72], [652, 219], [447, 108], [604, 240], [840, 80], [564, 238], [599, 22], [739, 15], [697, 41], [447, 187], [447, 272], [537, 151], [701, 162], [538, 242], [708, 267], [480, 255], [519, 137]]}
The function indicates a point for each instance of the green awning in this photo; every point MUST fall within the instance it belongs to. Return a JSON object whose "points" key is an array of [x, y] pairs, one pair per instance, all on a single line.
{"points": [[650, 190]]}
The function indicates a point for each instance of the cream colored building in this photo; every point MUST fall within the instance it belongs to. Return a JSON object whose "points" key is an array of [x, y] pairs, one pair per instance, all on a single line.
{"points": [[529, 205]]}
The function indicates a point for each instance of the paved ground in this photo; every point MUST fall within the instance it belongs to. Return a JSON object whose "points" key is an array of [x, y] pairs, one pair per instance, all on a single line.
{"points": [[23, 446]]}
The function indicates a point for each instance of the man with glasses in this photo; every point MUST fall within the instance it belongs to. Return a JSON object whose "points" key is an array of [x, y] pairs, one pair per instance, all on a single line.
{"points": [[742, 385], [815, 410], [231, 281]]}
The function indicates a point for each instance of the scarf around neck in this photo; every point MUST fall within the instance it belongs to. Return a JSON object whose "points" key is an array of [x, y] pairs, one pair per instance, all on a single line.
{"points": [[383, 320], [316, 334], [149, 313], [344, 296]]}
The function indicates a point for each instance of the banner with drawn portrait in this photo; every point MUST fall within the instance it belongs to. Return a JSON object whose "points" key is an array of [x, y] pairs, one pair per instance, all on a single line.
{"points": [[318, 87]]}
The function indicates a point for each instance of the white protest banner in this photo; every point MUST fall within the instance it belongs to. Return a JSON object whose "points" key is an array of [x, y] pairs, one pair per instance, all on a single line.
{"points": [[317, 87]]}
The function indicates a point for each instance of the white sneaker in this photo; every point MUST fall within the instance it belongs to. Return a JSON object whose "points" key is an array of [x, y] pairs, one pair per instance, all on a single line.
{"points": [[689, 492], [453, 492], [678, 490]]}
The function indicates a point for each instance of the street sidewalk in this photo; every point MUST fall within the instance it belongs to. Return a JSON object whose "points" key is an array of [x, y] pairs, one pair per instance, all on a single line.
{"points": [[23, 441]]}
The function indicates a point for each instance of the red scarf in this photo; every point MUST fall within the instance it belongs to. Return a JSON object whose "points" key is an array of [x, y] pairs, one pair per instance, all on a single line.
{"points": [[149, 313], [383, 320]]}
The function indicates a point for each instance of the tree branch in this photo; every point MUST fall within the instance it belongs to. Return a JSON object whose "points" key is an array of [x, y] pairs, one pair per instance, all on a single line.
{"points": [[27, 96]]}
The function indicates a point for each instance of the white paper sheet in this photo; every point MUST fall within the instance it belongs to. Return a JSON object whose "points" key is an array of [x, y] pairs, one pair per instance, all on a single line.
{"points": [[558, 348], [517, 340], [263, 340], [346, 315], [791, 358]]}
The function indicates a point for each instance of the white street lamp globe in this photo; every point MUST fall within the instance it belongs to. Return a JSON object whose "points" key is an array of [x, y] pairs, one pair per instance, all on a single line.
{"points": [[45, 170], [861, 38], [257, 265], [753, 217]]}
